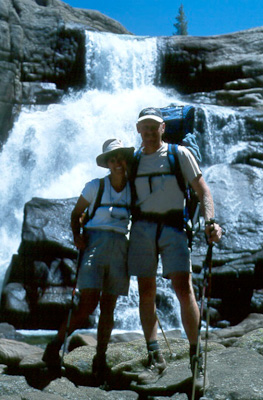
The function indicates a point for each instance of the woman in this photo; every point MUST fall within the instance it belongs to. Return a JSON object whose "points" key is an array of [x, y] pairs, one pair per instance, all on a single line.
{"points": [[103, 244]]}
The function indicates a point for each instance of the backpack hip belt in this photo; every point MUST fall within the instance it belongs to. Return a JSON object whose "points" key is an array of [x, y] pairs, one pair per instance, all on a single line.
{"points": [[174, 218]]}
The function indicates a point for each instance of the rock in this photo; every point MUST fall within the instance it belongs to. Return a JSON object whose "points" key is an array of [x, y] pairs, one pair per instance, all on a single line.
{"points": [[63, 387], [12, 352], [79, 340], [234, 373], [252, 340], [228, 336], [15, 308], [43, 225], [257, 301], [16, 389], [7, 330]]}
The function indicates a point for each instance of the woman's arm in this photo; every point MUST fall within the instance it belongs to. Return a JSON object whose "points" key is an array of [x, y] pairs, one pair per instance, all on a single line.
{"points": [[76, 216]]}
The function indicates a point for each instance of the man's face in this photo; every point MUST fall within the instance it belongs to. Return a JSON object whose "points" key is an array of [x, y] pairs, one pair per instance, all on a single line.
{"points": [[151, 132]]}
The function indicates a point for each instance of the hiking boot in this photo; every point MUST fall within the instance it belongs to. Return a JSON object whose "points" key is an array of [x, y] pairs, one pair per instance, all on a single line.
{"points": [[51, 355], [200, 377], [155, 369], [100, 369]]}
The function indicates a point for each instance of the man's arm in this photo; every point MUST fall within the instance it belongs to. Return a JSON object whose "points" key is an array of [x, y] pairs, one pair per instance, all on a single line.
{"points": [[76, 216], [213, 230]]}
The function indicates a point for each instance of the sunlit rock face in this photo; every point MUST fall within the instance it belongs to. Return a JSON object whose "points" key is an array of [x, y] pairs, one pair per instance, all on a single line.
{"points": [[42, 41]]}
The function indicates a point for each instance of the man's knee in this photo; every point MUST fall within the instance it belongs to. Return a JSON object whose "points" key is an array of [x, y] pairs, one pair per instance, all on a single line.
{"points": [[182, 285], [147, 289]]}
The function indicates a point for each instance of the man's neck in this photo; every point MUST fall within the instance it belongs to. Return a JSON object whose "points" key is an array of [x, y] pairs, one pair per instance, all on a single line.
{"points": [[151, 150]]}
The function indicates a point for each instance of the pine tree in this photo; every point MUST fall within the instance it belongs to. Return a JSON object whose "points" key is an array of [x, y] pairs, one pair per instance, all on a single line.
{"points": [[181, 24]]}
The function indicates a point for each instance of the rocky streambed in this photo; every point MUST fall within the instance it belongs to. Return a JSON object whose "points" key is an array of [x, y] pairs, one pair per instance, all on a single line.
{"points": [[234, 364]]}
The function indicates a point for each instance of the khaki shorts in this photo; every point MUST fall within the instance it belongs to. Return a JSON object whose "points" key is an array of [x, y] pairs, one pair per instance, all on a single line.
{"points": [[146, 245], [104, 263]]}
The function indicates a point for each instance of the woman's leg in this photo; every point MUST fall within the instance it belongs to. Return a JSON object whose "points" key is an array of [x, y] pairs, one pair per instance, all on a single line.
{"points": [[106, 321], [89, 299]]}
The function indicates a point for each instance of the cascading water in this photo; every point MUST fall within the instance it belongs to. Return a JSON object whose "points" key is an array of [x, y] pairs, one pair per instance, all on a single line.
{"points": [[51, 150]]}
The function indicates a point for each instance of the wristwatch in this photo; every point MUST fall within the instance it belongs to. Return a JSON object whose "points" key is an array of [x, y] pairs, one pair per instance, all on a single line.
{"points": [[211, 221]]}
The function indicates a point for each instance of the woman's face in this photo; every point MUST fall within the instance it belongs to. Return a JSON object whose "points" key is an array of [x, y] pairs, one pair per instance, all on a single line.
{"points": [[117, 164]]}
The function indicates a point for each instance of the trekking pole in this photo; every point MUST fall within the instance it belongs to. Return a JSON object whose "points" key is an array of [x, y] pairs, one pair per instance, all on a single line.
{"points": [[74, 291], [207, 263], [164, 335]]}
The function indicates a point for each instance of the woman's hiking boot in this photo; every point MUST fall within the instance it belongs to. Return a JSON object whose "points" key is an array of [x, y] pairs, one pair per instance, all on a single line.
{"points": [[200, 377], [155, 368], [100, 369], [51, 354]]}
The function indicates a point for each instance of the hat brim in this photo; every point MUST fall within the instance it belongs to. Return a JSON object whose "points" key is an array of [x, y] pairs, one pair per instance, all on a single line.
{"points": [[154, 117], [102, 158]]}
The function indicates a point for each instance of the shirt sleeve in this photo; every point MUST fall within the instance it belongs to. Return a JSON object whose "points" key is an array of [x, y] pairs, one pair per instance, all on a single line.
{"points": [[90, 190], [189, 166]]}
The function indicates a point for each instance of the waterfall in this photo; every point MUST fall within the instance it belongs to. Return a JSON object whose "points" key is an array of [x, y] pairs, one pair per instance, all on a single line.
{"points": [[51, 150]]}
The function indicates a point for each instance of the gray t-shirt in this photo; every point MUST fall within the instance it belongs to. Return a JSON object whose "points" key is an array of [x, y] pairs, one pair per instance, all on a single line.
{"points": [[164, 194]]}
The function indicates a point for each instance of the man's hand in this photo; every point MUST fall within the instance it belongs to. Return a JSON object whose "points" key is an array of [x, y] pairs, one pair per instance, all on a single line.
{"points": [[213, 232]]}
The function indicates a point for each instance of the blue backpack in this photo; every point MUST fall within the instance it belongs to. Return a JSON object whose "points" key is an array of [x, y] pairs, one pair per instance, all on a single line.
{"points": [[179, 124]]}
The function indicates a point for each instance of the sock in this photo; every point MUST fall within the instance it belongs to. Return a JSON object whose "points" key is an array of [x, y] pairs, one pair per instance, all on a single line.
{"points": [[153, 345], [193, 350]]}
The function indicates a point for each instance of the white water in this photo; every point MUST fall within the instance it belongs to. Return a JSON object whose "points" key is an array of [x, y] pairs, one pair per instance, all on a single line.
{"points": [[51, 150]]}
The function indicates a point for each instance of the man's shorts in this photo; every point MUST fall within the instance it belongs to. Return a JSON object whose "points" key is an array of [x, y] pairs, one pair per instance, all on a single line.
{"points": [[146, 244], [104, 263]]}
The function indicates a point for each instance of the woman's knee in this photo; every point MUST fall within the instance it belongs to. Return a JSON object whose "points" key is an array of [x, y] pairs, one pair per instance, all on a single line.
{"points": [[107, 303], [89, 299]]}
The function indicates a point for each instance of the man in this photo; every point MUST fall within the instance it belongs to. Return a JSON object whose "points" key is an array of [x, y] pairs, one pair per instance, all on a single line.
{"points": [[158, 230]]}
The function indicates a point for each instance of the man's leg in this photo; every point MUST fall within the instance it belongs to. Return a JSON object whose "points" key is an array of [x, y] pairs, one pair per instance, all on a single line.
{"points": [[182, 284], [147, 307], [89, 299], [190, 315]]}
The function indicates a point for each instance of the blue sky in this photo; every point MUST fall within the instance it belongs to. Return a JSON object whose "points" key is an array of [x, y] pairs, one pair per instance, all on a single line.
{"points": [[156, 17]]}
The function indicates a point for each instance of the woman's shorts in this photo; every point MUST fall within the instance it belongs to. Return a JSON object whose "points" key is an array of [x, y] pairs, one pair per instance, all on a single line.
{"points": [[147, 242], [104, 263]]}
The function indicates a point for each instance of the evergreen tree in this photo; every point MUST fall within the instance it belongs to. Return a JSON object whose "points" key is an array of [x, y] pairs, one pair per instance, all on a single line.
{"points": [[181, 24]]}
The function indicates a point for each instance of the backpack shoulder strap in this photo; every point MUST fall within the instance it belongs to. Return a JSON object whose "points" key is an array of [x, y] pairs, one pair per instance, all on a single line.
{"points": [[98, 198], [134, 165], [175, 165], [132, 172]]}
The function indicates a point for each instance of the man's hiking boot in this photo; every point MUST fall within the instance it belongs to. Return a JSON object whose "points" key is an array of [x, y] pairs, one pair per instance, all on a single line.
{"points": [[200, 377], [155, 369], [51, 355], [100, 369]]}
